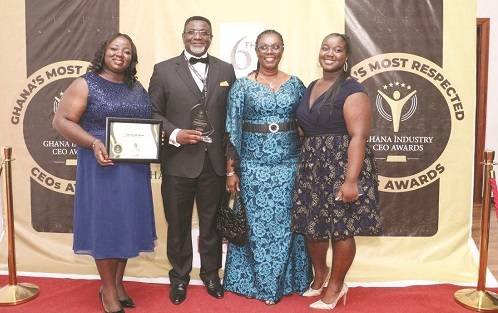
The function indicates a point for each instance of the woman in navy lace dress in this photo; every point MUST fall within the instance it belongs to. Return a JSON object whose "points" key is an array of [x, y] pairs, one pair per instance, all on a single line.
{"points": [[263, 135], [336, 189], [113, 211]]}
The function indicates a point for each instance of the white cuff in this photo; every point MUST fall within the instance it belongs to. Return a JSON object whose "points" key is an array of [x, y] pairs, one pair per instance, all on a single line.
{"points": [[172, 138]]}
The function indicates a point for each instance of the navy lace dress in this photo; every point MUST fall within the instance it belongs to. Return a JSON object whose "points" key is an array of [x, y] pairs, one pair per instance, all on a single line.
{"points": [[322, 170], [274, 262], [113, 211]]}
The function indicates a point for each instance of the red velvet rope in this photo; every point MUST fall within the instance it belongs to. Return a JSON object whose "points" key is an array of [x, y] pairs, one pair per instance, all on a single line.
{"points": [[492, 182]]}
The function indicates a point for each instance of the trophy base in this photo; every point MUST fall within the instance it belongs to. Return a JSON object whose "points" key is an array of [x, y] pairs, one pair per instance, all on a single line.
{"points": [[206, 139]]}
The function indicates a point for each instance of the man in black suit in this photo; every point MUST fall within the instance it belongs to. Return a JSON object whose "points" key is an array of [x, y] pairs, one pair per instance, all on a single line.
{"points": [[191, 166]]}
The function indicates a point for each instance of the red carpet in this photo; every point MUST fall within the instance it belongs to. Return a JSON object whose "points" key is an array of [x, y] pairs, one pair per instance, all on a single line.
{"points": [[80, 296]]}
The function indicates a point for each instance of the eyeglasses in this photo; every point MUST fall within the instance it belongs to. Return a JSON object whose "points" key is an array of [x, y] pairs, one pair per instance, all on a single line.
{"points": [[201, 33], [266, 48]]}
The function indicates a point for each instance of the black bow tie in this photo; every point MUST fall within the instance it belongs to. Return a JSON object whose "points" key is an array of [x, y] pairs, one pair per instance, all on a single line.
{"points": [[196, 60]]}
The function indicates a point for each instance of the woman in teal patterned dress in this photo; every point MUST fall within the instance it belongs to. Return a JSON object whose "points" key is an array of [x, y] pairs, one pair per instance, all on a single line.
{"points": [[262, 162]]}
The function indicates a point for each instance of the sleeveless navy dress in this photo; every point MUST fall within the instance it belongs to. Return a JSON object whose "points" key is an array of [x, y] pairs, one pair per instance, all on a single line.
{"points": [[113, 210], [322, 169]]}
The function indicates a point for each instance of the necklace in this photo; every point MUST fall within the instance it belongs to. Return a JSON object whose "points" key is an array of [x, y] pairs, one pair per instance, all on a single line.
{"points": [[270, 83]]}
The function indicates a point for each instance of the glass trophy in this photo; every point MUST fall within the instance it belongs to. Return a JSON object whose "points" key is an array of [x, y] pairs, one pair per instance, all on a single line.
{"points": [[200, 122]]}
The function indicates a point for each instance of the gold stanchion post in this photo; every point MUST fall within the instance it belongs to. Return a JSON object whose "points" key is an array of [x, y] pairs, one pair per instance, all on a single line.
{"points": [[13, 293], [480, 299]]}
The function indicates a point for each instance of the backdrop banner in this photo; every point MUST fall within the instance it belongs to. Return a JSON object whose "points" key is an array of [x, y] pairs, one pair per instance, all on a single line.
{"points": [[416, 59]]}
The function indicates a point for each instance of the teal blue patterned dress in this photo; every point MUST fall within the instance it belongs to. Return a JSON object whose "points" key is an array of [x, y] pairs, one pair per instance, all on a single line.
{"points": [[274, 262]]}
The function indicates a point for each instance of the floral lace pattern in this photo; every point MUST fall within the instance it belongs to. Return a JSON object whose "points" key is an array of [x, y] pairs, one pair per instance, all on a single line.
{"points": [[274, 262]]}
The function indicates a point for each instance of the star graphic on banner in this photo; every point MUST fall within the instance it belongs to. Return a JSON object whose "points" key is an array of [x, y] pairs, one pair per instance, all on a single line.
{"points": [[396, 85]]}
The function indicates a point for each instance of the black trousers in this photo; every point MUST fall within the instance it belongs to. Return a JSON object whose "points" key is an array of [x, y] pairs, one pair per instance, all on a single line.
{"points": [[178, 199]]}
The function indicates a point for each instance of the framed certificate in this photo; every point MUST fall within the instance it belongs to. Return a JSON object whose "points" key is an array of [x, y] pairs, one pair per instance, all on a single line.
{"points": [[133, 139]]}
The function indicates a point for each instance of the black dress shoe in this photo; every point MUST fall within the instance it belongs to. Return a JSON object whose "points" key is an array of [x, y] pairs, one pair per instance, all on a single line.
{"points": [[178, 293], [127, 303], [214, 288]]}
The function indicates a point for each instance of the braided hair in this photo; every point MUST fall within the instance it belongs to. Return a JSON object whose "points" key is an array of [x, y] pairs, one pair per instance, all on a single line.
{"points": [[98, 61], [265, 32]]}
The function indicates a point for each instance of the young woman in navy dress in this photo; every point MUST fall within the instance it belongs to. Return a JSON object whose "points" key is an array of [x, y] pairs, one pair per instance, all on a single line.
{"points": [[335, 195]]}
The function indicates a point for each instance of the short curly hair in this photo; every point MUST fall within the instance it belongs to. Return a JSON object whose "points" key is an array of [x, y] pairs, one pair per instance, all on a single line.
{"points": [[98, 62]]}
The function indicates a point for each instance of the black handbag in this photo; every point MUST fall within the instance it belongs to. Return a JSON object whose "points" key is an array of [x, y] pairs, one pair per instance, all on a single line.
{"points": [[231, 219]]}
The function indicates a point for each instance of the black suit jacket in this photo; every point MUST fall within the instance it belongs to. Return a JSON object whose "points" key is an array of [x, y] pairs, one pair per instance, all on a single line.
{"points": [[173, 93]]}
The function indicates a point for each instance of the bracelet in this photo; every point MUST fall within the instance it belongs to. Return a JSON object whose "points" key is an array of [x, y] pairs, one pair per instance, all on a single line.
{"points": [[93, 143], [230, 173]]}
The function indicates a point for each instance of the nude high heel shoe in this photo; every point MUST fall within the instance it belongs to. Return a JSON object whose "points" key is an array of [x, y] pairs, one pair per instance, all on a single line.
{"points": [[329, 306], [316, 292]]}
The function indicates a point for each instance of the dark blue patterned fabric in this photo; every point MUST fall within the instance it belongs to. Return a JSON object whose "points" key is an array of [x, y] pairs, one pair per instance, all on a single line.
{"points": [[322, 170], [113, 210], [274, 262]]}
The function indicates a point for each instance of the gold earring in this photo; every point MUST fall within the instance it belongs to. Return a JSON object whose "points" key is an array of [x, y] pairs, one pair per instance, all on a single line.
{"points": [[345, 66]]}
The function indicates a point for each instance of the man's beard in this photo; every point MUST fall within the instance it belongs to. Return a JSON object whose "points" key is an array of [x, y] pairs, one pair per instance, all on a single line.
{"points": [[198, 50]]}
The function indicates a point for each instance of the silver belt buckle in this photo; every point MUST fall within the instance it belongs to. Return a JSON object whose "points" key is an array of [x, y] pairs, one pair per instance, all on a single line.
{"points": [[273, 127]]}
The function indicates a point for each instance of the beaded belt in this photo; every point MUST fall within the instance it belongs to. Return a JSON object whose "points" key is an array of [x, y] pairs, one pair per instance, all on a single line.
{"points": [[269, 128]]}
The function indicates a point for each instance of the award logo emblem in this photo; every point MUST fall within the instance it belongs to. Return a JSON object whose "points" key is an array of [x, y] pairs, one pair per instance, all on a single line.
{"points": [[396, 103], [117, 149], [200, 122], [416, 109], [417, 105], [401, 94]]}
